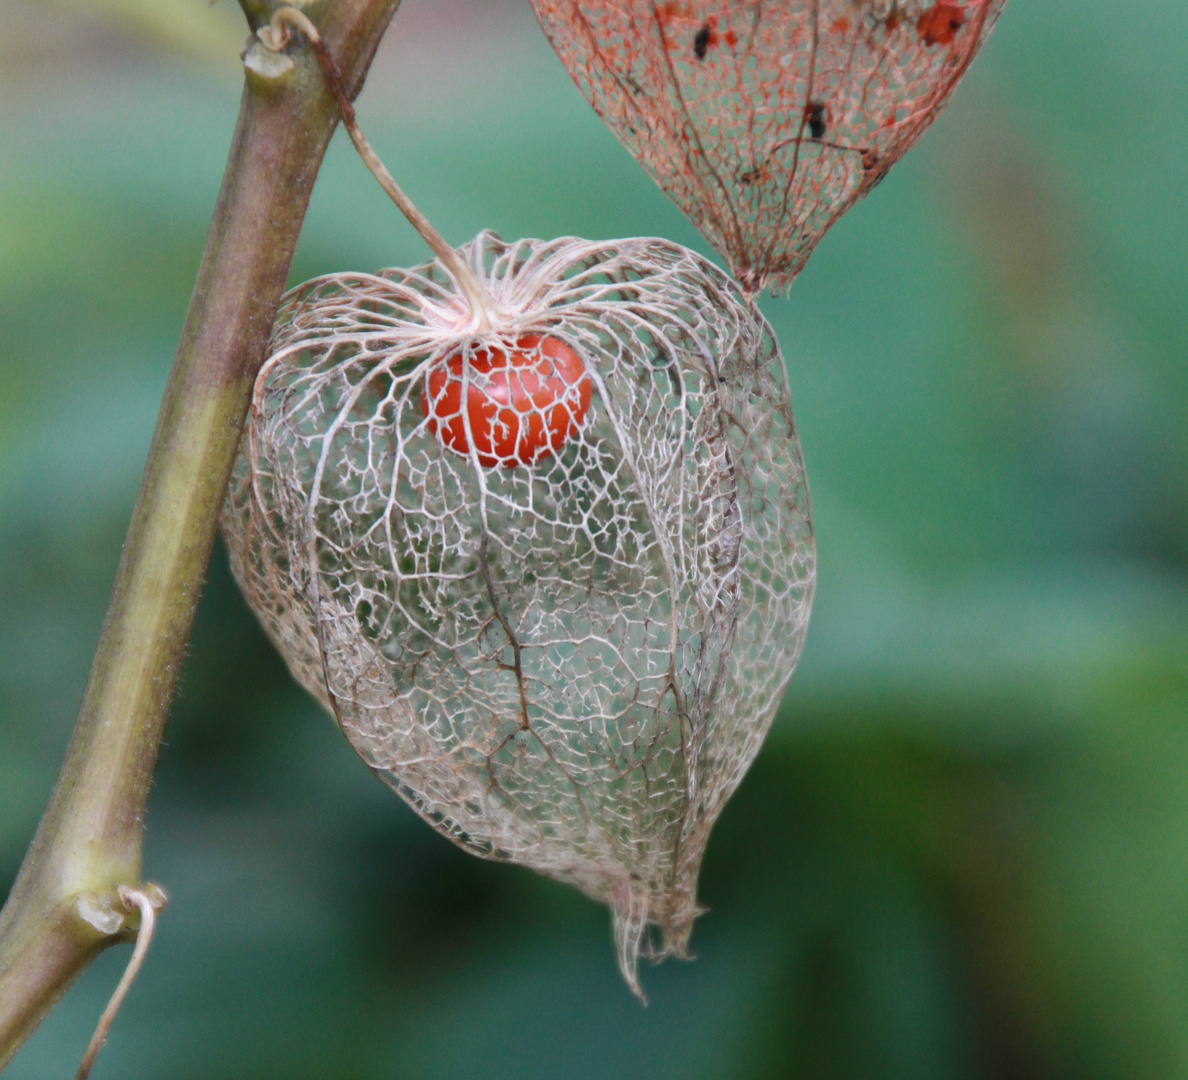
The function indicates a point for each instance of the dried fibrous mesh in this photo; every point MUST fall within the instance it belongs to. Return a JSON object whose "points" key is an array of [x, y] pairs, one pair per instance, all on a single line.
{"points": [[570, 664], [765, 121]]}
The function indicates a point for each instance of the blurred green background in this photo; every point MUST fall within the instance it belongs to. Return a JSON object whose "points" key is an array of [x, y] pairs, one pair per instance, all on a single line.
{"points": [[963, 852]]}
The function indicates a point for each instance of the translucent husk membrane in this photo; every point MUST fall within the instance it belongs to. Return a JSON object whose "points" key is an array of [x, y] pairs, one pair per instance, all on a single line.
{"points": [[568, 664], [765, 122]]}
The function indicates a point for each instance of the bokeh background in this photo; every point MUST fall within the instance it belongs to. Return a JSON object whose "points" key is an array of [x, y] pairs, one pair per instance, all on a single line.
{"points": [[963, 852]]}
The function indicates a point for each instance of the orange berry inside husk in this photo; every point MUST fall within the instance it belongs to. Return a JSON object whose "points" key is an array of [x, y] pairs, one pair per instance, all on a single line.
{"points": [[522, 404]]}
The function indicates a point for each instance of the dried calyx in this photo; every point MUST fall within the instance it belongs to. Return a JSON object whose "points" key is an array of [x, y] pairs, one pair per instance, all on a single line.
{"points": [[765, 123], [565, 658], [531, 521]]}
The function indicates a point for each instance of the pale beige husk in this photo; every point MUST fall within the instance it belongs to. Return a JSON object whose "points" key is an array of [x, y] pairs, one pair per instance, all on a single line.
{"points": [[571, 664]]}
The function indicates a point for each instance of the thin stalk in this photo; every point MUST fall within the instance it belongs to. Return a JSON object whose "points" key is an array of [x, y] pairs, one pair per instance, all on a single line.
{"points": [[64, 907], [276, 37], [132, 899]]}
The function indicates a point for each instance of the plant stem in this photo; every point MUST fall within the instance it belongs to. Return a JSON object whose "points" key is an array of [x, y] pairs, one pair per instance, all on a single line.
{"points": [[61, 911]]}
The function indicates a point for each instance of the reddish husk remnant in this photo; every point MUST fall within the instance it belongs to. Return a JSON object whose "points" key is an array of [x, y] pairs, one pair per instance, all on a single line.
{"points": [[766, 122], [941, 24]]}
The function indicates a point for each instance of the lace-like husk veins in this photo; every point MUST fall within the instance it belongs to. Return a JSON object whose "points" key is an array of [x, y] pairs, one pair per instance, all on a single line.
{"points": [[570, 664], [765, 122]]}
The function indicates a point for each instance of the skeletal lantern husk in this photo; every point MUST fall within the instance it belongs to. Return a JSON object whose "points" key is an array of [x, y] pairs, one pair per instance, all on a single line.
{"points": [[765, 123], [568, 664]]}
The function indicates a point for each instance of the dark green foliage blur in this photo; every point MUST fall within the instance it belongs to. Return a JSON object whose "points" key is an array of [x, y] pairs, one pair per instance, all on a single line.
{"points": [[963, 853]]}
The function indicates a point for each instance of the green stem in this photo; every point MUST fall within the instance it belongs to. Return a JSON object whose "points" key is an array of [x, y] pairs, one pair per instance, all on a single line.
{"points": [[62, 909]]}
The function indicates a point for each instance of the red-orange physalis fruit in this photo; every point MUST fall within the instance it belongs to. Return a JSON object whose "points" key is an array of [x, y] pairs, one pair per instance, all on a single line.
{"points": [[765, 122], [522, 404]]}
